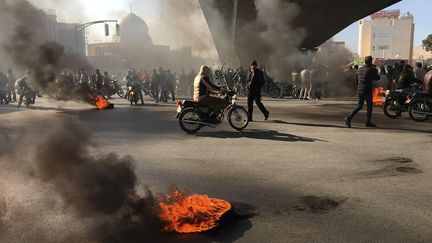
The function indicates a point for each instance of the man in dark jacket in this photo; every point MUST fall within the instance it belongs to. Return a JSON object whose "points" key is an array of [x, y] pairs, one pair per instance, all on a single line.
{"points": [[366, 75], [154, 79], [98, 81], [407, 80], [255, 82]]}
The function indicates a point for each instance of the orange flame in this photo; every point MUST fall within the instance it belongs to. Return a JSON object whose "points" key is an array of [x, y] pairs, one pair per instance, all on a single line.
{"points": [[191, 214], [378, 93], [101, 103]]}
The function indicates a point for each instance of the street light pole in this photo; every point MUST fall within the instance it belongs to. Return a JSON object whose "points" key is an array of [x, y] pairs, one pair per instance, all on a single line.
{"points": [[82, 27]]}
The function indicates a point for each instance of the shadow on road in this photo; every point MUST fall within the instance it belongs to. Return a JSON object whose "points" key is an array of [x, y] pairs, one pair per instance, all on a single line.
{"points": [[6, 109], [259, 134], [344, 127], [307, 124]]}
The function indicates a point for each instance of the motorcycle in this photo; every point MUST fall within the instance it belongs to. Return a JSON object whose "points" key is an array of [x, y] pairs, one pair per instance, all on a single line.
{"points": [[114, 88], [284, 90], [420, 108], [397, 102], [134, 93], [193, 117], [147, 88]]}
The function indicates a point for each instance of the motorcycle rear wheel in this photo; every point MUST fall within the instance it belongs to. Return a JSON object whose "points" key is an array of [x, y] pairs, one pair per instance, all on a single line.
{"points": [[273, 92], [418, 110], [390, 109], [238, 118], [189, 115]]}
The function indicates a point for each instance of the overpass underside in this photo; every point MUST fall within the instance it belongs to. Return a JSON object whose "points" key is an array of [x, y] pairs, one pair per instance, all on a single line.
{"points": [[322, 19]]}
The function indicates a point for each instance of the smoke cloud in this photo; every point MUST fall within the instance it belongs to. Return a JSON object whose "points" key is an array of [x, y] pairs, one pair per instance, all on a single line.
{"points": [[184, 25], [29, 49], [272, 39], [331, 61], [98, 192]]}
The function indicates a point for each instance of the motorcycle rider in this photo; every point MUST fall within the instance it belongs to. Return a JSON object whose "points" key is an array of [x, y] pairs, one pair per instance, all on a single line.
{"points": [[11, 86], [406, 80], [255, 82], [132, 78], [203, 88]]}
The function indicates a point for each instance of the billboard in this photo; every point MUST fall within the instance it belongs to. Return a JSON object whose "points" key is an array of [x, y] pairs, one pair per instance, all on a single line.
{"points": [[387, 14]]}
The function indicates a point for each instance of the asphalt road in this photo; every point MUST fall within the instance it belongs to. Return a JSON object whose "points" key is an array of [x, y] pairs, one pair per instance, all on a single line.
{"points": [[302, 176]]}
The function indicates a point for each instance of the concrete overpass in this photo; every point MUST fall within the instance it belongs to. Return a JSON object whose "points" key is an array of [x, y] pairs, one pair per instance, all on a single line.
{"points": [[321, 19]]}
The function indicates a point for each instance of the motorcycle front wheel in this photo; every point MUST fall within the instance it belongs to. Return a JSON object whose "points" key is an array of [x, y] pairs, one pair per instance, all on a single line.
{"points": [[392, 109], [238, 118], [187, 119], [420, 111]]}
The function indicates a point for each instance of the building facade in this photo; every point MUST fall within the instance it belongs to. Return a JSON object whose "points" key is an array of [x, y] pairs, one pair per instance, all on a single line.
{"points": [[134, 48], [387, 35]]}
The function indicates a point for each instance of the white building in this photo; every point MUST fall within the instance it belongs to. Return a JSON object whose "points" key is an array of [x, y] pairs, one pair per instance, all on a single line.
{"points": [[388, 35]]}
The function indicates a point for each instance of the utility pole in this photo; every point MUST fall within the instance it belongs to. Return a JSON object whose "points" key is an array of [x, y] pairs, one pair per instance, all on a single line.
{"points": [[82, 27]]}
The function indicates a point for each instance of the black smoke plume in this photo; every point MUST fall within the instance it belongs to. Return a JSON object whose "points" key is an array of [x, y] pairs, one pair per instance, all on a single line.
{"points": [[272, 38], [102, 188], [30, 48]]}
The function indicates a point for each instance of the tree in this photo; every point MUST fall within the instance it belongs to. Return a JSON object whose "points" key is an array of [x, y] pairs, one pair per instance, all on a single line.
{"points": [[427, 43]]}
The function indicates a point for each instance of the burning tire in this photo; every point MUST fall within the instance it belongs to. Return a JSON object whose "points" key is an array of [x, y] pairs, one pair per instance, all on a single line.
{"points": [[419, 111], [187, 119], [238, 118], [392, 109]]}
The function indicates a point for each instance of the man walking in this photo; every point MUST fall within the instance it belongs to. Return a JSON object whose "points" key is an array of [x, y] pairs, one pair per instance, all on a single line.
{"points": [[154, 80], [255, 82], [366, 75]]}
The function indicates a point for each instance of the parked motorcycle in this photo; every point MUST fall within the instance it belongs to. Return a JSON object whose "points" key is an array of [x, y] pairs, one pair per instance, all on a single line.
{"points": [[272, 90], [284, 90], [193, 117], [147, 88], [420, 108], [112, 89]]}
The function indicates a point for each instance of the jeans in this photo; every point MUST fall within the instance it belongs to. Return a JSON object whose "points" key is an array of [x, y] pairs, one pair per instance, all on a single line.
{"points": [[255, 96], [361, 100]]}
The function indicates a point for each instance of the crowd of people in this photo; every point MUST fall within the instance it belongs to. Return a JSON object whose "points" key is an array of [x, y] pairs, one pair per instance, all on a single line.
{"points": [[164, 85], [401, 77], [7, 87]]}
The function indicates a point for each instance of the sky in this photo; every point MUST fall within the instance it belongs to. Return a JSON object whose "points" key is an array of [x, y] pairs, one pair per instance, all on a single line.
{"points": [[421, 9], [87, 10]]}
